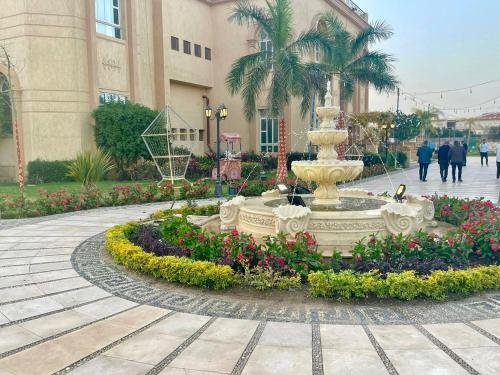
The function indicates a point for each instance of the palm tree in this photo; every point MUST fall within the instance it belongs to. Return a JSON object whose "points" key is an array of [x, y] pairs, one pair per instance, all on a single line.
{"points": [[351, 60], [280, 65], [426, 116]]}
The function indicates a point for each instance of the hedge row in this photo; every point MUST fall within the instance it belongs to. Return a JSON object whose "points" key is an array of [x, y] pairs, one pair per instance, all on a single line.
{"points": [[173, 269], [405, 285]]}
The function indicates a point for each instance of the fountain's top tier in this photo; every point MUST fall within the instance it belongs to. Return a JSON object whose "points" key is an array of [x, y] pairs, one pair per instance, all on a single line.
{"points": [[329, 112]]}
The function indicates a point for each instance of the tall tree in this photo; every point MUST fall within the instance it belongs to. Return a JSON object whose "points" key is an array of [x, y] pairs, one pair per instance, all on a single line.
{"points": [[281, 64], [351, 61]]}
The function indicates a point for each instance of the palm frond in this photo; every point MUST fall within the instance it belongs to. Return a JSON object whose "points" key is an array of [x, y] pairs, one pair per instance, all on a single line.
{"points": [[376, 32], [253, 87], [245, 12], [240, 68]]}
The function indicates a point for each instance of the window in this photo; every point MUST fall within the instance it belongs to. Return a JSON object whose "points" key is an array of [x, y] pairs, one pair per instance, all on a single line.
{"points": [[192, 134], [266, 45], [107, 97], [201, 135], [187, 47], [208, 54], [182, 135], [108, 18], [268, 134], [197, 50], [174, 43]]}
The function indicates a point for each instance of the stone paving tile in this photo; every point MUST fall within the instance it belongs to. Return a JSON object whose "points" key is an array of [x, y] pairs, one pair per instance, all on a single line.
{"points": [[59, 353], [72, 298], [14, 294], [106, 307], [148, 347], [352, 362], [49, 266], [428, 361], [205, 355], [111, 366], [27, 309], [181, 324], [458, 335], [37, 277], [490, 325], [14, 270], [287, 335], [344, 337], [56, 323], [486, 360], [400, 337], [3, 319], [12, 337], [230, 331], [279, 360]]}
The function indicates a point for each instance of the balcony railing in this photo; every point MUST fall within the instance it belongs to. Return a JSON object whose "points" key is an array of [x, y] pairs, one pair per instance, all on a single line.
{"points": [[355, 8]]}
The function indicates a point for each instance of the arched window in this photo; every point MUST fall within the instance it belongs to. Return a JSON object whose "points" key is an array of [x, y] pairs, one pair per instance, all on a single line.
{"points": [[5, 109]]}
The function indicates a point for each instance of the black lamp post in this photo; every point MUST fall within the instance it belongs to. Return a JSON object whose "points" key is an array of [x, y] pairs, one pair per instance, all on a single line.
{"points": [[386, 128], [220, 114]]}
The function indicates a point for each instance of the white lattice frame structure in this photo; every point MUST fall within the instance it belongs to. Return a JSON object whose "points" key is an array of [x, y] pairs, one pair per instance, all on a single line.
{"points": [[166, 112]]}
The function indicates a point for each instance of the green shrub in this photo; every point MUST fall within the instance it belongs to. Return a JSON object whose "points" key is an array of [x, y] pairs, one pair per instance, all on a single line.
{"points": [[90, 167], [43, 171], [251, 169], [118, 129], [405, 285], [174, 269]]}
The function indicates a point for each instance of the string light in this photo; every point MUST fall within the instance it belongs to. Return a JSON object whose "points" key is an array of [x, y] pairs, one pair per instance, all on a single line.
{"points": [[470, 87]]}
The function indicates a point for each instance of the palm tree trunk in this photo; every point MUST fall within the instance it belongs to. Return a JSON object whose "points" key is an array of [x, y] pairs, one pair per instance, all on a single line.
{"points": [[282, 174]]}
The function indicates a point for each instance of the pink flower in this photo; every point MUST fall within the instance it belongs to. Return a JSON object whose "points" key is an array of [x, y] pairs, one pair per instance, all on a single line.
{"points": [[451, 241], [479, 252], [290, 244], [412, 244], [201, 237], [357, 258], [226, 240]]}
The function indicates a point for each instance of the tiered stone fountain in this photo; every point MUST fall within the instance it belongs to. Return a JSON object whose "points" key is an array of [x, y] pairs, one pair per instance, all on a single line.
{"points": [[337, 218]]}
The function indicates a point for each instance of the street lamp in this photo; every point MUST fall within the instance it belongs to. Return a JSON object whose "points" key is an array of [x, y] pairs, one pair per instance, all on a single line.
{"points": [[220, 114], [386, 128]]}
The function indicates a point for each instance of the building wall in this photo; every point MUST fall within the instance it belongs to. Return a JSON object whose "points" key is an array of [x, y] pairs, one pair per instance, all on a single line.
{"points": [[63, 64]]}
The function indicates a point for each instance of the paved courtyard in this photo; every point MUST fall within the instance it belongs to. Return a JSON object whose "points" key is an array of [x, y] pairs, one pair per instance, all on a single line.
{"points": [[477, 181], [65, 309]]}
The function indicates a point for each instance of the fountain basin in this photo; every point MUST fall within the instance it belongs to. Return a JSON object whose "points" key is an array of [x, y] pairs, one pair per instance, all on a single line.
{"points": [[327, 136], [356, 217]]}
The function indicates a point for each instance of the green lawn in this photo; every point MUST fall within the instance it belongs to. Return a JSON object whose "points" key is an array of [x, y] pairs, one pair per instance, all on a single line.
{"points": [[11, 188]]}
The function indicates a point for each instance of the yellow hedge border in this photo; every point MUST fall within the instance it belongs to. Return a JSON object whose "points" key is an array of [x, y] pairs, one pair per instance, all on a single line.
{"points": [[405, 285], [174, 269]]}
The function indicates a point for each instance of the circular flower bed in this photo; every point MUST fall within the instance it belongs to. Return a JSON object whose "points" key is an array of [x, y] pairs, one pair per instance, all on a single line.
{"points": [[420, 265]]}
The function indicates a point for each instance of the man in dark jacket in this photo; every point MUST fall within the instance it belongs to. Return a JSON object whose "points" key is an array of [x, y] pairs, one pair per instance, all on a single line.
{"points": [[424, 154], [443, 160], [466, 149], [456, 156]]}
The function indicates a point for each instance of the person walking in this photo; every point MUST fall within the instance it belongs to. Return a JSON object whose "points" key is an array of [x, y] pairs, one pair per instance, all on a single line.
{"points": [[466, 149], [498, 159], [483, 151], [456, 156], [424, 154], [443, 161]]}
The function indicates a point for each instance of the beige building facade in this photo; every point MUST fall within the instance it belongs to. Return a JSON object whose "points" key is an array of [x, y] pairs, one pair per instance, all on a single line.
{"points": [[71, 55]]}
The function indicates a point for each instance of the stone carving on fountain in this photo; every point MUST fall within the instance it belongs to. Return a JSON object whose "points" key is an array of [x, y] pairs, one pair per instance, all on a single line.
{"points": [[401, 218], [291, 220], [229, 213], [427, 205], [327, 170]]}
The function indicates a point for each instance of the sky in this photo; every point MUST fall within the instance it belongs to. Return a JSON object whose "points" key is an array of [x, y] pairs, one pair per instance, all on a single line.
{"points": [[440, 45]]}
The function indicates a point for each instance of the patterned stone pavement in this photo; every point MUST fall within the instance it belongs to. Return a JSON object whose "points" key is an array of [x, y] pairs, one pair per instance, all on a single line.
{"points": [[478, 182], [65, 309]]}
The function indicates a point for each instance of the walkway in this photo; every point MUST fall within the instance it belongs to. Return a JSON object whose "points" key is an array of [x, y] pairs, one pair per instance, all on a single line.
{"points": [[100, 320], [478, 181]]}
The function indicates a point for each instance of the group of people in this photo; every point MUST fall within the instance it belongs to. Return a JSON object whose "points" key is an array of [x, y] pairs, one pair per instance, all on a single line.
{"points": [[456, 155]]}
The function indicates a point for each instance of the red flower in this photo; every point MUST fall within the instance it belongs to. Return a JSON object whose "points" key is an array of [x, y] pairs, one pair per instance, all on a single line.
{"points": [[372, 240], [479, 252], [290, 244], [226, 240], [181, 241], [311, 242], [251, 246], [201, 237], [235, 232], [357, 258], [412, 244]]}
